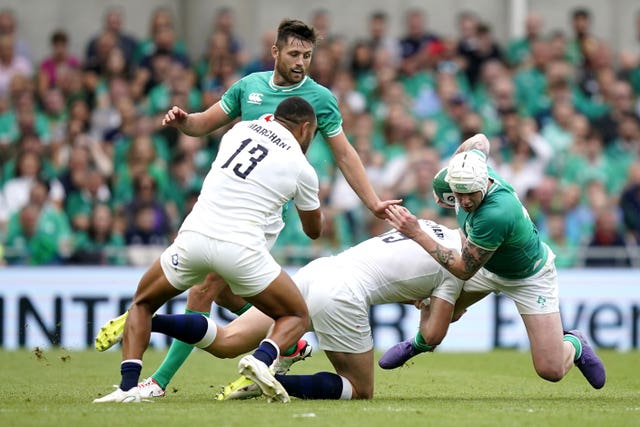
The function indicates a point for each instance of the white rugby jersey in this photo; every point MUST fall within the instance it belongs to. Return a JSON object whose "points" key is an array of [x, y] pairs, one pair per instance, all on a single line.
{"points": [[259, 167], [393, 268]]}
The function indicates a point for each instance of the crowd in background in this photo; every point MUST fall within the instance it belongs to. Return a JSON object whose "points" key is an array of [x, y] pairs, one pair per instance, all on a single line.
{"points": [[88, 175]]}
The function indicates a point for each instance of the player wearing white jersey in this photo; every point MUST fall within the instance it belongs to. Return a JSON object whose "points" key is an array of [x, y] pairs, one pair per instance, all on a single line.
{"points": [[260, 166], [338, 291], [249, 98]]}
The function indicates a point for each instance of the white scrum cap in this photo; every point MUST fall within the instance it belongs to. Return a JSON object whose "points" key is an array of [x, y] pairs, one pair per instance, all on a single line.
{"points": [[467, 172]]}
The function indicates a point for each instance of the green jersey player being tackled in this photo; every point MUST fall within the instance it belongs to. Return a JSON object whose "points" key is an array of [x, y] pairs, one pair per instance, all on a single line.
{"points": [[502, 253]]}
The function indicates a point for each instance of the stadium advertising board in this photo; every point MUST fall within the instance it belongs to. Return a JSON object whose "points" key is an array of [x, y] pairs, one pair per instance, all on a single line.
{"points": [[42, 307]]}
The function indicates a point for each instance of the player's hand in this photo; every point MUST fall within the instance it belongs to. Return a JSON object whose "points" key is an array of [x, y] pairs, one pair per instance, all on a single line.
{"points": [[380, 209], [402, 220], [174, 117]]}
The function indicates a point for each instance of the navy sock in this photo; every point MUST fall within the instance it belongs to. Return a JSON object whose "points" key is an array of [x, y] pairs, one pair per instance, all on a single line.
{"points": [[323, 385], [266, 352], [130, 371], [188, 328]]}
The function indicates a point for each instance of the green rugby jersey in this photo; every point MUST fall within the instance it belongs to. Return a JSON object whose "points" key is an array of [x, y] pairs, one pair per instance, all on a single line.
{"points": [[255, 95], [502, 224]]}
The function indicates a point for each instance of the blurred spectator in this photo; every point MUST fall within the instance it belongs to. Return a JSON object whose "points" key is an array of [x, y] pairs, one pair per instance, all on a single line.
{"points": [[224, 21], [160, 18], [87, 188], [16, 190], [264, 60], [54, 110], [607, 235], [566, 250], [113, 25], [144, 152], [178, 82], [24, 119], [9, 26], [38, 233], [320, 19], [630, 202], [518, 50], [582, 38], [60, 58], [154, 68], [531, 81], [621, 102], [524, 155], [484, 48], [148, 223], [418, 42], [11, 64], [27, 243], [184, 181], [379, 38], [100, 244]]}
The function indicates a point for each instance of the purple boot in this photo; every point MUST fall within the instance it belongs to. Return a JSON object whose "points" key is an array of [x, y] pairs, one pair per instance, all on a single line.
{"points": [[589, 363], [398, 355]]}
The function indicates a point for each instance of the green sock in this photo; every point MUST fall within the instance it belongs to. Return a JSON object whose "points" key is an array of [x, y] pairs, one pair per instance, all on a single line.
{"points": [[576, 343], [178, 353], [290, 350], [244, 308], [420, 344]]}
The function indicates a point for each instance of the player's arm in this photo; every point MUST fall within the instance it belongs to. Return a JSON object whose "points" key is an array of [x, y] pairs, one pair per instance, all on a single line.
{"points": [[463, 265], [477, 142], [353, 170], [196, 124], [311, 222]]}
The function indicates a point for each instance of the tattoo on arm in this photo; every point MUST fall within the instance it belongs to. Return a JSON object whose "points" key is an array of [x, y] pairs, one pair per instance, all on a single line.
{"points": [[443, 255], [474, 257]]}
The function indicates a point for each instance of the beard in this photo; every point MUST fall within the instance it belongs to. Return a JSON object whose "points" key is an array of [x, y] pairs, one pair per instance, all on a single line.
{"points": [[288, 77]]}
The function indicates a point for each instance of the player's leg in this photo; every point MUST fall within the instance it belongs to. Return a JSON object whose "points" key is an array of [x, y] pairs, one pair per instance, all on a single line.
{"points": [[552, 356], [199, 300], [353, 379], [552, 350], [434, 323], [154, 289], [240, 336], [281, 300]]}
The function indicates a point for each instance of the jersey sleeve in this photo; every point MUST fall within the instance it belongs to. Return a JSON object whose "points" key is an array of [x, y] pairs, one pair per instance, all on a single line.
{"points": [[329, 117], [306, 197], [230, 101], [490, 227]]}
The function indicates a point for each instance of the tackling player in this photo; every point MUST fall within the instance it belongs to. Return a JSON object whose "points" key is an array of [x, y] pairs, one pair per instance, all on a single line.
{"points": [[502, 253]]}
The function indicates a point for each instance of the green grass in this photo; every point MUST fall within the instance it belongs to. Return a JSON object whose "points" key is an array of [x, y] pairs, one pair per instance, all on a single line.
{"points": [[441, 389]]}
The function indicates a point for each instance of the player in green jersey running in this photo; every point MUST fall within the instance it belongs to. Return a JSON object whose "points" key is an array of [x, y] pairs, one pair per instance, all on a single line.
{"points": [[502, 253], [249, 98]]}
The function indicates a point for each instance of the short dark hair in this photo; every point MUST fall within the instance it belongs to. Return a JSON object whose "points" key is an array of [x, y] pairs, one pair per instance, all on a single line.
{"points": [[379, 14], [295, 110], [581, 12], [296, 29], [59, 36]]}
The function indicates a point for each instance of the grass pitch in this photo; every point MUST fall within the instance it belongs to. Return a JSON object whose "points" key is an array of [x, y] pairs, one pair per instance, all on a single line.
{"points": [[55, 388]]}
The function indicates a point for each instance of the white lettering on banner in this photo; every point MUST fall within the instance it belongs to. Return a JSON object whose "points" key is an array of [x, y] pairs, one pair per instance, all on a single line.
{"points": [[65, 306]]}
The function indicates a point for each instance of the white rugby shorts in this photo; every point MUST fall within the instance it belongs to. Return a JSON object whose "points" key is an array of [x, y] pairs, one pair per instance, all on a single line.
{"points": [[537, 294], [339, 318], [193, 255]]}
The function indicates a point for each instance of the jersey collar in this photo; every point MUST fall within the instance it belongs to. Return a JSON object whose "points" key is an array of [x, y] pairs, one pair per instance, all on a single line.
{"points": [[274, 86]]}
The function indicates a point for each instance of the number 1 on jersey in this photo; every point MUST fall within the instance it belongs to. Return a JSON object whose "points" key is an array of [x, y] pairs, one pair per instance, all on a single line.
{"points": [[254, 160]]}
